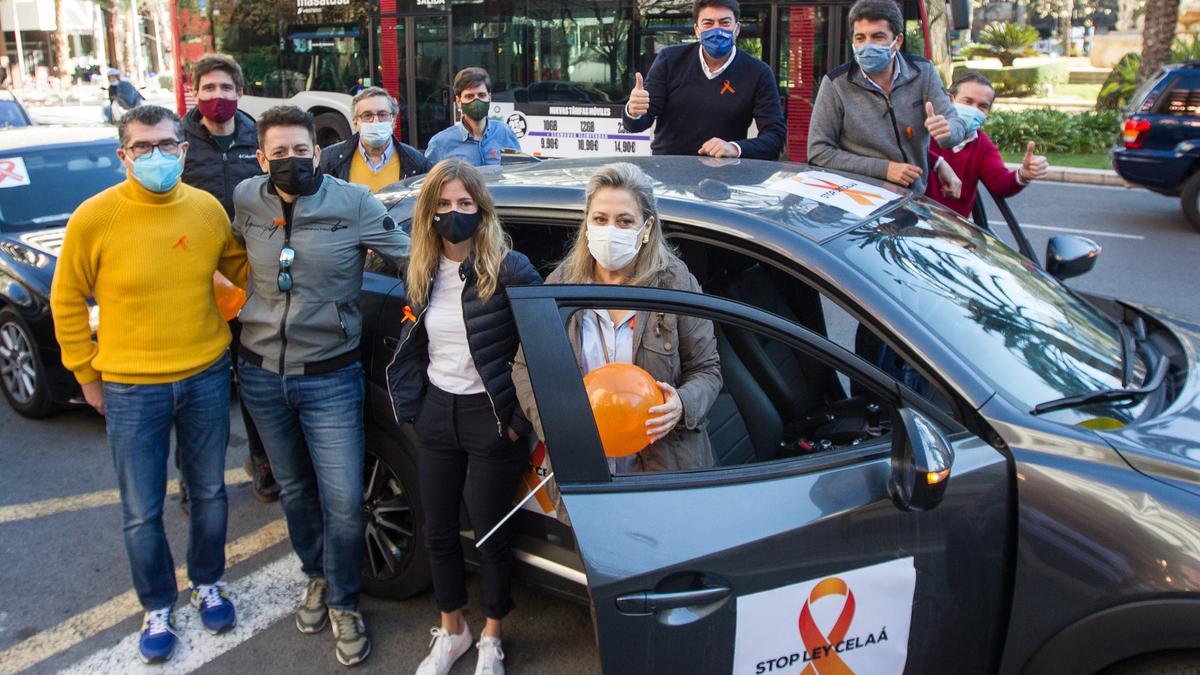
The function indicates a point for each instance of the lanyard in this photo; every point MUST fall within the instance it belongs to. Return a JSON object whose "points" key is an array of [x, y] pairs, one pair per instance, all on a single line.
{"points": [[604, 343]]}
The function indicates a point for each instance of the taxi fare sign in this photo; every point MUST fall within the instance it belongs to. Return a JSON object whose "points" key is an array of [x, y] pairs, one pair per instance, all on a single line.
{"points": [[847, 194], [850, 623], [571, 129]]}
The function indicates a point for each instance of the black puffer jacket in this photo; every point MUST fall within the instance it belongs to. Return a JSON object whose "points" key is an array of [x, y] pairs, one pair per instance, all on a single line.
{"points": [[335, 160], [216, 172], [491, 336]]}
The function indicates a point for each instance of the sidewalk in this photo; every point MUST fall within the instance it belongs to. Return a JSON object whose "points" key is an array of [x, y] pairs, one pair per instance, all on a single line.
{"points": [[1067, 174]]}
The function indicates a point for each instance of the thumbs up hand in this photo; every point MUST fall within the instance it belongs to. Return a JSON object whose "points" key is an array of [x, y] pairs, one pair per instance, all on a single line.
{"points": [[639, 99], [936, 125], [1033, 166]]}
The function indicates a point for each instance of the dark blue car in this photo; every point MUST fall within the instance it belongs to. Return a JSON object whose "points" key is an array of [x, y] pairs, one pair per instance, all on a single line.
{"points": [[1160, 144]]}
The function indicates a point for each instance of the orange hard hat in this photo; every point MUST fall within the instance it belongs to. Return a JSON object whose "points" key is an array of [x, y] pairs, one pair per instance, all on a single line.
{"points": [[622, 395]]}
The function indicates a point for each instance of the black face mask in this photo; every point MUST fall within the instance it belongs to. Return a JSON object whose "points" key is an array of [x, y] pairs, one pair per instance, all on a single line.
{"points": [[295, 175], [455, 226]]}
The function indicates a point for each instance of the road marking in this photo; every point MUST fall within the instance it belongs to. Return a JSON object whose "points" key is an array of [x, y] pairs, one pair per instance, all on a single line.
{"points": [[91, 622], [1073, 230], [91, 500], [262, 598]]}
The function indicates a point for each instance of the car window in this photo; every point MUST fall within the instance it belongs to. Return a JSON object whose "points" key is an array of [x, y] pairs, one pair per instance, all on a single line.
{"points": [[40, 188], [1182, 98], [763, 399], [11, 114]]}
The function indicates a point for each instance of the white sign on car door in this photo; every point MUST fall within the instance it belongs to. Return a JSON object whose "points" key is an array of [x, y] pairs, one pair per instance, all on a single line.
{"points": [[853, 622]]}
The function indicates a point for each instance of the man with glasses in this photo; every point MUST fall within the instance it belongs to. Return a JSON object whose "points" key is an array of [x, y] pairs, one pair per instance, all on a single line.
{"points": [[477, 140], [146, 250], [306, 234], [373, 156], [704, 95]]}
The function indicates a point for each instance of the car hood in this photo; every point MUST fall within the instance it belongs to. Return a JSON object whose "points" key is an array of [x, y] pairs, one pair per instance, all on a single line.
{"points": [[1167, 447], [31, 255]]}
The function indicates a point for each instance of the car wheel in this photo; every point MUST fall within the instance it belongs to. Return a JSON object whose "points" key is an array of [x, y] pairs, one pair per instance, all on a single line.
{"points": [[331, 128], [395, 562], [22, 374], [1172, 663], [1190, 199]]}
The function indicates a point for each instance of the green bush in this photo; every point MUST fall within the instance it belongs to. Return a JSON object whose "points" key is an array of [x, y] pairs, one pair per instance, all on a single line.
{"points": [[1004, 41], [1023, 81], [1053, 130]]}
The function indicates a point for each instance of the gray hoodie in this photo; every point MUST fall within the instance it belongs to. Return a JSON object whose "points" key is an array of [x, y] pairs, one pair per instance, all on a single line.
{"points": [[856, 128], [316, 327]]}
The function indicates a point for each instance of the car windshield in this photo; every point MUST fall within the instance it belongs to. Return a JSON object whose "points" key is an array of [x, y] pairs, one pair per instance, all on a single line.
{"points": [[1017, 325], [40, 187], [11, 115]]}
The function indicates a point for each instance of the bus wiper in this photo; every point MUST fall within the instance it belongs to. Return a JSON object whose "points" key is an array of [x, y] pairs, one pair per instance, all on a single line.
{"points": [[1106, 395]]}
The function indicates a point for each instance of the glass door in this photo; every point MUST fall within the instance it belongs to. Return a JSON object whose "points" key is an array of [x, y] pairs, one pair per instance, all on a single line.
{"points": [[425, 71]]}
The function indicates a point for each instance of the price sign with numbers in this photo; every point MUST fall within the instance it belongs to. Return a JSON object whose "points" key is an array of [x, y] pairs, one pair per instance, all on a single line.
{"points": [[571, 129]]}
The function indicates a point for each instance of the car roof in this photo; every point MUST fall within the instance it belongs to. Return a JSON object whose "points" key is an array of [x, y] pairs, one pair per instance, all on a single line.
{"points": [[758, 189], [37, 136]]}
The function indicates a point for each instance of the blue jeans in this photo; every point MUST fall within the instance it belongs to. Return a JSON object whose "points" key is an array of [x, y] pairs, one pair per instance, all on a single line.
{"points": [[312, 428], [139, 418]]}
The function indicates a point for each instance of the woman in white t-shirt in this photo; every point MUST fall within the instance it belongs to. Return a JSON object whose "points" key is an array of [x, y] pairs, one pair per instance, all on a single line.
{"points": [[452, 377]]}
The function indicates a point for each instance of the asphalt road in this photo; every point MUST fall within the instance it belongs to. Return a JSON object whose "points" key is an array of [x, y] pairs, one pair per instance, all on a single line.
{"points": [[64, 579]]}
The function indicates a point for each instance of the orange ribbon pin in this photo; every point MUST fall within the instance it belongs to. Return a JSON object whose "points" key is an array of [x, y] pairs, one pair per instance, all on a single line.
{"points": [[727, 88], [280, 222], [831, 663], [408, 315], [861, 196]]}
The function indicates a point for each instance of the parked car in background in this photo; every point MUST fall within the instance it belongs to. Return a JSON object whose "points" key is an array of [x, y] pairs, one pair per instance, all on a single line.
{"points": [[1159, 148], [12, 113], [45, 173]]}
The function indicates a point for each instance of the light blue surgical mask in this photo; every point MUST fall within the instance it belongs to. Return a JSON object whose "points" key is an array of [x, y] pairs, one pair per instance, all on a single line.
{"points": [[717, 41], [973, 117], [874, 58], [375, 134], [157, 172]]}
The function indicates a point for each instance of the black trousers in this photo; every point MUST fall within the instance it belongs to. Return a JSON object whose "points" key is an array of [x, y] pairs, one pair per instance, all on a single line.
{"points": [[461, 447]]}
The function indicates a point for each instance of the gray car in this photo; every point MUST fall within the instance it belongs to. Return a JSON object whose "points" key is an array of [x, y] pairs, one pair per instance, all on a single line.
{"points": [[933, 456]]}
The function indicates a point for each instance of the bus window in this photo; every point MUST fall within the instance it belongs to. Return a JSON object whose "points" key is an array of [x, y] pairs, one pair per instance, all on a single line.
{"points": [[809, 40], [248, 31], [324, 58]]}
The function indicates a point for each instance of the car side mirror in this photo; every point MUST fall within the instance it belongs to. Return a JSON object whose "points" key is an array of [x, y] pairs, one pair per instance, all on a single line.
{"points": [[921, 461], [1070, 256]]}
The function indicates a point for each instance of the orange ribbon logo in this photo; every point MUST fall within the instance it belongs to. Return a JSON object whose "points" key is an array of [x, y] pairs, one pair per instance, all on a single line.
{"points": [[279, 222], [531, 479], [182, 243], [831, 663], [727, 88], [408, 315], [861, 196]]}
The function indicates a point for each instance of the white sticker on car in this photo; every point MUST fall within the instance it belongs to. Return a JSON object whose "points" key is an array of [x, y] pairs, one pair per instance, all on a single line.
{"points": [[854, 622], [847, 194], [13, 172]]}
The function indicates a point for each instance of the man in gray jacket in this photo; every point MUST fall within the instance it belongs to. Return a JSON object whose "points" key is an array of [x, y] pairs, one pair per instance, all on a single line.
{"points": [[875, 115], [306, 235]]}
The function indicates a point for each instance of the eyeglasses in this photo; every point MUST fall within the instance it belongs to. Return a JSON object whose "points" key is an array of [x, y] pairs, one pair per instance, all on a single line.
{"points": [[287, 255], [370, 117], [142, 148]]}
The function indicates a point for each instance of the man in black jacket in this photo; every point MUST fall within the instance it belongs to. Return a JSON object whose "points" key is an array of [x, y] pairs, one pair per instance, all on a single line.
{"points": [[222, 141], [704, 95], [373, 156]]}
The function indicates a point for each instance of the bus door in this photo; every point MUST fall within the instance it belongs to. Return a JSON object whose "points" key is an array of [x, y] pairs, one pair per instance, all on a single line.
{"points": [[417, 68]]}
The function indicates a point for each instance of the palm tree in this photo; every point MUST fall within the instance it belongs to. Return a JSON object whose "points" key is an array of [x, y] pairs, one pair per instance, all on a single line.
{"points": [[1157, 35], [61, 49]]}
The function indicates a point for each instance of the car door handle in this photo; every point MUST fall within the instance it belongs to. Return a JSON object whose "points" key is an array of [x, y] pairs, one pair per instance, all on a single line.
{"points": [[648, 602]]}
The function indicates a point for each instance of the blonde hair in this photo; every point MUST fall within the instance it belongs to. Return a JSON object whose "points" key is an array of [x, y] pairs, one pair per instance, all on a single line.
{"points": [[489, 245], [652, 258]]}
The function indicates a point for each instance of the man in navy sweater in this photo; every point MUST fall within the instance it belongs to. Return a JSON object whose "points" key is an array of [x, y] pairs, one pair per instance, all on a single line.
{"points": [[704, 95]]}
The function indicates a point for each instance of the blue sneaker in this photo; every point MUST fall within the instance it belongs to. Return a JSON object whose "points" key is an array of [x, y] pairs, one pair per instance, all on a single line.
{"points": [[216, 609], [159, 639]]}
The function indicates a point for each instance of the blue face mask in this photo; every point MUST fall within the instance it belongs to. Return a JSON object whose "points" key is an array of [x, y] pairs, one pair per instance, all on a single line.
{"points": [[972, 116], [718, 42], [157, 172], [873, 58]]}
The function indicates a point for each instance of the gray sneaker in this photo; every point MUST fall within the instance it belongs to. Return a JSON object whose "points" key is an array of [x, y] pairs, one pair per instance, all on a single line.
{"points": [[312, 612], [351, 635]]}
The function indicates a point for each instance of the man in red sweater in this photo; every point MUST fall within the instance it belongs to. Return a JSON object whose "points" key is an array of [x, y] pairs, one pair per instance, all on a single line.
{"points": [[958, 169]]}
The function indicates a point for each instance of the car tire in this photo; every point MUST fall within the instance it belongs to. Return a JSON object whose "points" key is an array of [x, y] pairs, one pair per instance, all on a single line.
{"points": [[1190, 199], [331, 128], [395, 562], [22, 372], [1171, 663]]}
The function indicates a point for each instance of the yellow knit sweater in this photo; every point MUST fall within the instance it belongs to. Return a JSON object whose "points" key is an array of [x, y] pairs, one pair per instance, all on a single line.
{"points": [[375, 181], [148, 260]]}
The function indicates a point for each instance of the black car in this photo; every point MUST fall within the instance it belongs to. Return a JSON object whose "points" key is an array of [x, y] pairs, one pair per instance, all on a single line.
{"points": [[1160, 144], [1026, 500], [45, 172]]}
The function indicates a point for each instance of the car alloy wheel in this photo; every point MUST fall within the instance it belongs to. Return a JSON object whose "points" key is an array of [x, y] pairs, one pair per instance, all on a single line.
{"points": [[390, 527], [18, 364]]}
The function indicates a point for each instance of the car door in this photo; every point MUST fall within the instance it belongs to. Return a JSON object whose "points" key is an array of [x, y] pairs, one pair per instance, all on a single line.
{"points": [[803, 564]]}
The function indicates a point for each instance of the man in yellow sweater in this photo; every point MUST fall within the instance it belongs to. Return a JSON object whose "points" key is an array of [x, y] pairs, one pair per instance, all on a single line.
{"points": [[146, 250], [373, 156]]}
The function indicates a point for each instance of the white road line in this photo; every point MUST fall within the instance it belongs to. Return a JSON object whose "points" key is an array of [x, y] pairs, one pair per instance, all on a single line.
{"points": [[91, 622], [1074, 230], [91, 500], [262, 598]]}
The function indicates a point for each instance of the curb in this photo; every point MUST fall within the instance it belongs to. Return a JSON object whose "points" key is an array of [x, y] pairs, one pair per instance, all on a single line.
{"points": [[1080, 176]]}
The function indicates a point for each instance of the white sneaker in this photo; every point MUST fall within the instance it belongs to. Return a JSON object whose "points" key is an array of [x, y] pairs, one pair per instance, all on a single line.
{"points": [[445, 649], [491, 657]]}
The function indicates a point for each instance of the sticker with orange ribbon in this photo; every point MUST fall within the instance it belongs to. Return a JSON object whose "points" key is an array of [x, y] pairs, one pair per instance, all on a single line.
{"points": [[851, 623], [850, 195], [13, 172]]}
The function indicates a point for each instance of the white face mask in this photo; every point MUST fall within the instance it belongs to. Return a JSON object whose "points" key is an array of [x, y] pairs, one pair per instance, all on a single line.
{"points": [[375, 134], [614, 247]]}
